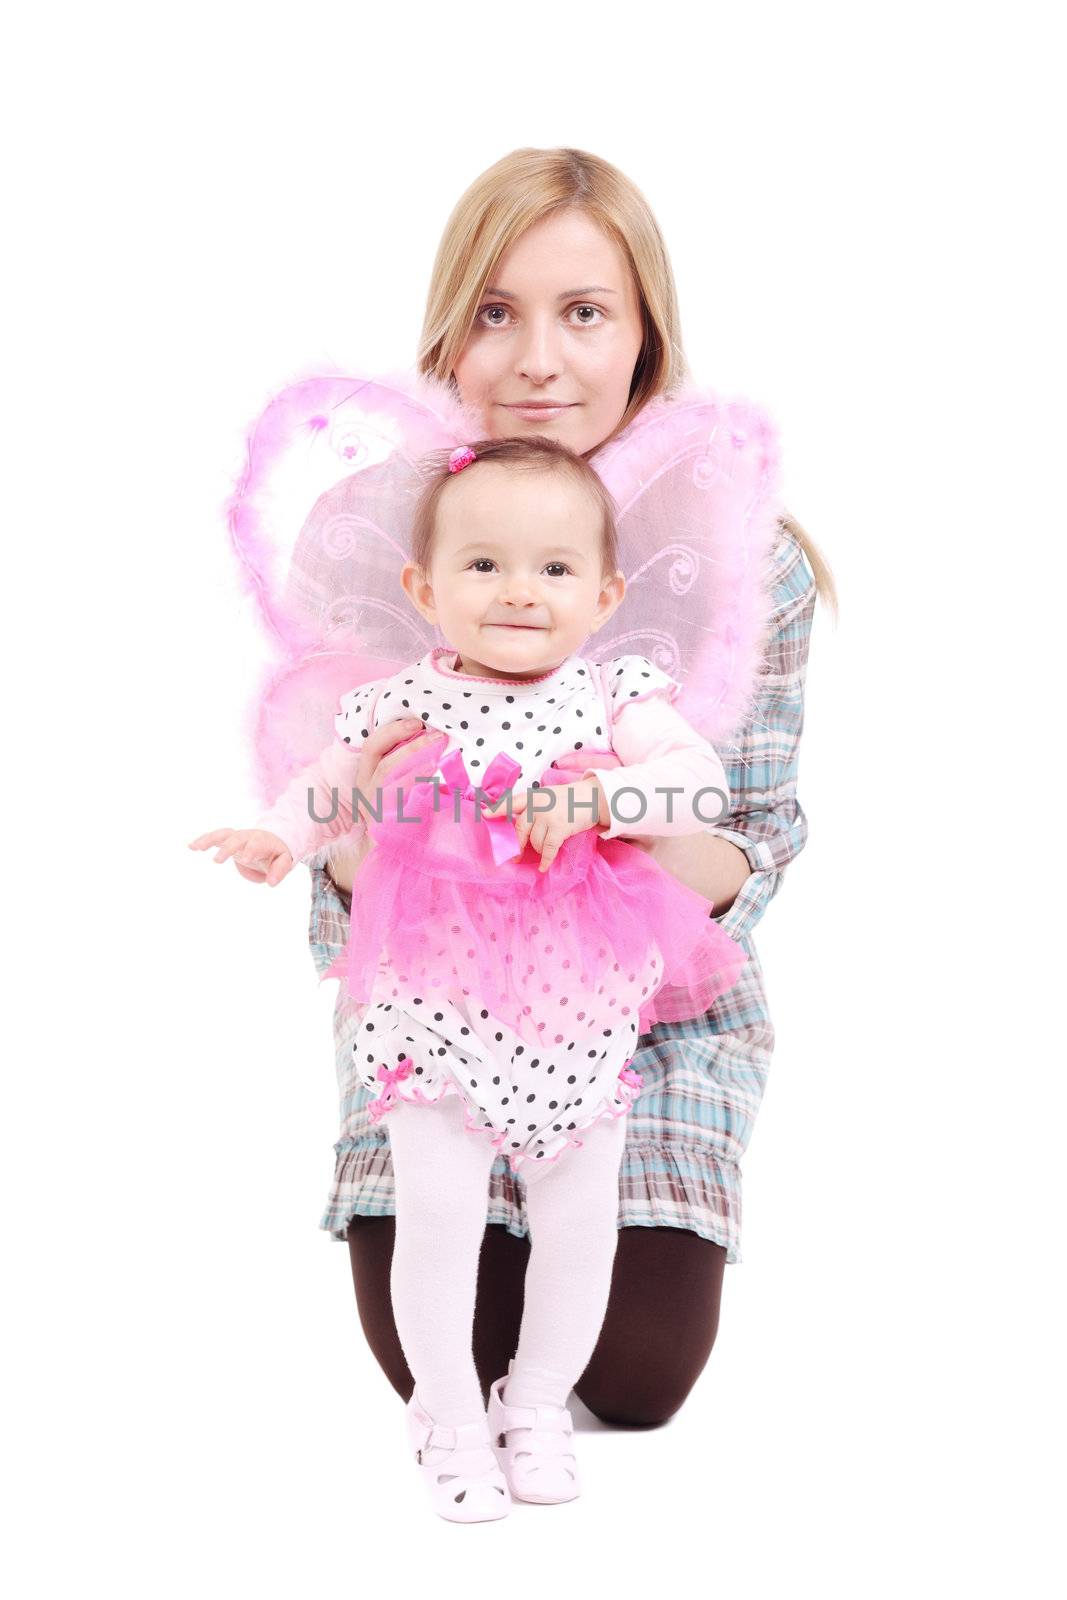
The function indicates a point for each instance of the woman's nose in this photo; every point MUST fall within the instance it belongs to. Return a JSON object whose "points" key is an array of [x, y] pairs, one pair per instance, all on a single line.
{"points": [[538, 357]]}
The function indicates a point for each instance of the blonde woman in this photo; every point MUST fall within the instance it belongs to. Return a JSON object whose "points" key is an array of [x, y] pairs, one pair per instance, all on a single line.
{"points": [[552, 309]]}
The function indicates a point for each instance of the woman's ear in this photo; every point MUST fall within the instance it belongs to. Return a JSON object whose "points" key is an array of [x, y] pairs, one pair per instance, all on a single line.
{"points": [[417, 588]]}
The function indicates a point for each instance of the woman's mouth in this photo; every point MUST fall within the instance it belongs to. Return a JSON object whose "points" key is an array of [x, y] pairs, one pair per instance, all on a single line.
{"points": [[540, 411]]}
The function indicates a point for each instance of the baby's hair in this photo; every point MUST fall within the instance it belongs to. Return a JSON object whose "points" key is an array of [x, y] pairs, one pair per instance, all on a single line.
{"points": [[539, 455]]}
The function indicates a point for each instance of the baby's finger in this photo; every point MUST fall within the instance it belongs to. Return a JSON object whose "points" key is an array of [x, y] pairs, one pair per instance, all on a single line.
{"points": [[248, 858], [525, 823], [538, 833], [206, 840], [550, 850], [522, 833], [230, 848], [279, 868]]}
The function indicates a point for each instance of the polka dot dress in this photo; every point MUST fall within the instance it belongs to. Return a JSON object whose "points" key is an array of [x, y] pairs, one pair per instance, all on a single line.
{"points": [[531, 1095]]}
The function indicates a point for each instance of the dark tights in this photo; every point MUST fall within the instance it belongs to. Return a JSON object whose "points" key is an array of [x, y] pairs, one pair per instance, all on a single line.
{"points": [[660, 1324]]}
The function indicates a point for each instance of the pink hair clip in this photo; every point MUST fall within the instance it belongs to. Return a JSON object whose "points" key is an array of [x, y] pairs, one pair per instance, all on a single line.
{"points": [[461, 457]]}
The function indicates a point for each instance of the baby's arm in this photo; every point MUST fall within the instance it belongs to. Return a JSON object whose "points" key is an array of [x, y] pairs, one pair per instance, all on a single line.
{"points": [[267, 852], [660, 750], [323, 790], [315, 807]]}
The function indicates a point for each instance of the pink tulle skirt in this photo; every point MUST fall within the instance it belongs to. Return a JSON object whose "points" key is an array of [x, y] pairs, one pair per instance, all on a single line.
{"points": [[431, 906]]}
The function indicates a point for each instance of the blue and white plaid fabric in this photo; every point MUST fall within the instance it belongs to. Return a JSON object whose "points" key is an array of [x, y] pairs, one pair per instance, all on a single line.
{"points": [[704, 1078]]}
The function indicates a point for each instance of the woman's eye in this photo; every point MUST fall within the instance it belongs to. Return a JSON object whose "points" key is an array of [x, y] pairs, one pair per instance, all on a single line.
{"points": [[497, 316]]}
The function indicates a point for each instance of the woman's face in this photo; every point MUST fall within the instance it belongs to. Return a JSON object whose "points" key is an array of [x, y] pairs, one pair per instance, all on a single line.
{"points": [[556, 336]]}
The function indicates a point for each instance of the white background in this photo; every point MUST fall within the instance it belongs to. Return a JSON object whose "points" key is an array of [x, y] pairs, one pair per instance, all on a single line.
{"points": [[204, 202]]}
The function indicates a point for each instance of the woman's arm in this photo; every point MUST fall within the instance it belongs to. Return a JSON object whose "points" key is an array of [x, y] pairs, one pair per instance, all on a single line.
{"points": [[705, 862]]}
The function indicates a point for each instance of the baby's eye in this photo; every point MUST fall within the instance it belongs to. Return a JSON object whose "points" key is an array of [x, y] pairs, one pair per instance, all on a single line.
{"points": [[483, 562], [562, 569]]}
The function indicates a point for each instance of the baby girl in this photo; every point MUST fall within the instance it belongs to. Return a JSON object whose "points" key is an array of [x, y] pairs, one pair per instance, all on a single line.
{"points": [[507, 943]]}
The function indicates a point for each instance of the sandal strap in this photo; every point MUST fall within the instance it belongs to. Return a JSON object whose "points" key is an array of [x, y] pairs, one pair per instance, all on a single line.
{"points": [[478, 1462], [425, 1433], [464, 1450], [538, 1442], [543, 1419]]}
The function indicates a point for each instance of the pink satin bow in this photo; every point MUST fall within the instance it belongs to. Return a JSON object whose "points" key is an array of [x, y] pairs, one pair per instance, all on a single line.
{"points": [[628, 1075], [500, 775], [390, 1077]]}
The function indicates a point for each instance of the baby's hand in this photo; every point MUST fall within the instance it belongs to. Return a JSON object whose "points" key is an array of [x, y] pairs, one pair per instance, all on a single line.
{"points": [[546, 829], [257, 854]]}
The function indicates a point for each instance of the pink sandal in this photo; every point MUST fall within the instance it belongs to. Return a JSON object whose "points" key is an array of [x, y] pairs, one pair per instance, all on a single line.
{"points": [[533, 1445], [458, 1467]]}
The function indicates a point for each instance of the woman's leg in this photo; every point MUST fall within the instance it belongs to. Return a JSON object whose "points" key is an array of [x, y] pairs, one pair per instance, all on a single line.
{"points": [[441, 1176], [659, 1328], [370, 1252]]}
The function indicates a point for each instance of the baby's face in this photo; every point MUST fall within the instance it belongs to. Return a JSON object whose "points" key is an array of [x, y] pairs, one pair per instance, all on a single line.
{"points": [[515, 582]]}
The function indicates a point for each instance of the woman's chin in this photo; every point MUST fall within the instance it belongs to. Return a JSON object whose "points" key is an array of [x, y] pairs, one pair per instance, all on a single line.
{"points": [[570, 428]]}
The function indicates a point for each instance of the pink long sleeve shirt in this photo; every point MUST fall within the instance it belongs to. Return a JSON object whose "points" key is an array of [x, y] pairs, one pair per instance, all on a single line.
{"points": [[657, 748]]}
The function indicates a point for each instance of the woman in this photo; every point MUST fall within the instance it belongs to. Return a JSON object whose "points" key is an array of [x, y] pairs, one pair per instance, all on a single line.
{"points": [[552, 309]]}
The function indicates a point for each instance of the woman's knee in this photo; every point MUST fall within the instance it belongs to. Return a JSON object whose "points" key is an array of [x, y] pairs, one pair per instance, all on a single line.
{"points": [[645, 1389], [623, 1403], [659, 1329]]}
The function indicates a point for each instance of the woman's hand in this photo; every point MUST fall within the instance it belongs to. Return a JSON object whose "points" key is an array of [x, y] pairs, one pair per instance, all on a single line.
{"points": [[381, 754], [577, 807], [258, 855]]}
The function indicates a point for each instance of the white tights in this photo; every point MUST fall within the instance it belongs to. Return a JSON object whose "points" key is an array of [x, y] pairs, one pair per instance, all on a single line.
{"points": [[441, 1173]]}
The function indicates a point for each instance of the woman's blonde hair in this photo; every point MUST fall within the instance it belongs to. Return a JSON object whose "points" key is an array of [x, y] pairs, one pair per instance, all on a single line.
{"points": [[498, 208]]}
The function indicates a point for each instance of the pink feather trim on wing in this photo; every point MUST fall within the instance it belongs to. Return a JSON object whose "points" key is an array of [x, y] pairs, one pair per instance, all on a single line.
{"points": [[723, 463], [321, 517], [312, 434]]}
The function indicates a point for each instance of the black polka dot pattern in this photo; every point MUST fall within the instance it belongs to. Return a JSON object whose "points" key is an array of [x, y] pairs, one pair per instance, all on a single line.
{"points": [[523, 1103], [635, 678], [351, 721], [530, 1092], [565, 708]]}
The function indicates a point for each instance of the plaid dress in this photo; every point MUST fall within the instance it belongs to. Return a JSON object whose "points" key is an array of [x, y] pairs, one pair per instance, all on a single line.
{"points": [[703, 1078]]}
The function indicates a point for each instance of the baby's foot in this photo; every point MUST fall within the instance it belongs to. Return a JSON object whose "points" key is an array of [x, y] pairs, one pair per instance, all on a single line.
{"points": [[461, 1473], [533, 1445]]}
